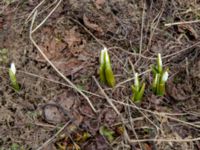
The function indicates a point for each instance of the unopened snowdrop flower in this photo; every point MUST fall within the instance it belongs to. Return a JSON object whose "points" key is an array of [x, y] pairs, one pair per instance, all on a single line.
{"points": [[137, 89], [105, 70], [13, 79], [160, 77]]}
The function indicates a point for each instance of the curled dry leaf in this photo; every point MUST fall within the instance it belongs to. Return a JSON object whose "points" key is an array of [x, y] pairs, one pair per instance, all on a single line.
{"points": [[72, 37], [70, 67], [91, 25], [99, 3], [65, 100], [178, 92]]}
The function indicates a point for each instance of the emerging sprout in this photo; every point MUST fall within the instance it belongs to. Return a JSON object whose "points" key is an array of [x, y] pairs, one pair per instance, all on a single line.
{"points": [[137, 89], [107, 133], [160, 77], [105, 70], [13, 79]]}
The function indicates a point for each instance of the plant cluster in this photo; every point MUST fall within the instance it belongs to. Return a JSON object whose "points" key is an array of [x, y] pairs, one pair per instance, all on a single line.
{"points": [[106, 74], [160, 77]]}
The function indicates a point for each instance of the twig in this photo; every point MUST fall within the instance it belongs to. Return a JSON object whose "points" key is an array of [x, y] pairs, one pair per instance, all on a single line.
{"points": [[182, 22], [166, 140], [106, 96], [53, 66], [141, 32], [32, 12], [132, 126], [45, 19], [53, 137]]}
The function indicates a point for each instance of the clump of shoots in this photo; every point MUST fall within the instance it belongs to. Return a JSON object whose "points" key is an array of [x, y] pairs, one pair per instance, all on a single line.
{"points": [[160, 77], [137, 89], [13, 79], [105, 71]]}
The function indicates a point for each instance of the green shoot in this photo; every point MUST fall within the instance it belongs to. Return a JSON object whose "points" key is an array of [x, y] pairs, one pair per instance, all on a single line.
{"points": [[109, 134], [137, 89], [13, 79], [160, 77], [105, 70]]}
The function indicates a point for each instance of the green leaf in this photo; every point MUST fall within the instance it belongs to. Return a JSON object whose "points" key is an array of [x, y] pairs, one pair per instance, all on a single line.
{"points": [[155, 83], [139, 94], [159, 63], [154, 70], [134, 90], [161, 90], [102, 74], [15, 146], [13, 80], [104, 131], [109, 75]]}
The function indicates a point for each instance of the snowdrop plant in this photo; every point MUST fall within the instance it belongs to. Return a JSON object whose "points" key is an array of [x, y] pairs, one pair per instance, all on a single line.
{"points": [[137, 89], [13, 79], [160, 77], [105, 70]]}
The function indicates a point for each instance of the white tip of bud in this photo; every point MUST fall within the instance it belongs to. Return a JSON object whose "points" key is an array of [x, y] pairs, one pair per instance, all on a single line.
{"points": [[159, 59], [136, 80], [12, 68], [165, 76], [104, 49], [103, 53]]}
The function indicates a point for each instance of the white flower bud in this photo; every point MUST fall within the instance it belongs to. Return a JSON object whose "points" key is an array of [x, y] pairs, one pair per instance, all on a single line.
{"points": [[165, 76], [12, 68], [136, 81]]}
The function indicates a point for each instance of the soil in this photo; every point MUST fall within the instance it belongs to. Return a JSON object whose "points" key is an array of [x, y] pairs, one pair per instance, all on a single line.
{"points": [[72, 38]]}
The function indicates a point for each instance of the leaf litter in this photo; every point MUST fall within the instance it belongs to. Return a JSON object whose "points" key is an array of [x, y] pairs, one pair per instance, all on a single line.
{"points": [[75, 53]]}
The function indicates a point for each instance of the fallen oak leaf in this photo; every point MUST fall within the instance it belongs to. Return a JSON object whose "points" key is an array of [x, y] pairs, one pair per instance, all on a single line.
{"points": [[91, 25]]}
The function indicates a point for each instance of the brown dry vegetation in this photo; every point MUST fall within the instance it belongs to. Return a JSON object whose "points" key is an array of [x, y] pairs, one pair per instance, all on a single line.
{"points": [[48, 108]]}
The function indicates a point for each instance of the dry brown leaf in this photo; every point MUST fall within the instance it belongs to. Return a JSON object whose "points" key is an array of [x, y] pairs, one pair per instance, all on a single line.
{"points": [[99, 3], [65, 101], [72, 37], [91, 25], [188, 29], [70, 67]]}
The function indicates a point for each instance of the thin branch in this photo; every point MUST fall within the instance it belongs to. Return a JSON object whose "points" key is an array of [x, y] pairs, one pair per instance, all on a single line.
{"points": [[45, 19], [166, 140], [53, 137], [33, 11], [182, 22], [106, 96]]}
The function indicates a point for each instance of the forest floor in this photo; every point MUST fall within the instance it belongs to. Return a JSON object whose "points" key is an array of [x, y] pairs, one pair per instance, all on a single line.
{"points": [[51, 110]]}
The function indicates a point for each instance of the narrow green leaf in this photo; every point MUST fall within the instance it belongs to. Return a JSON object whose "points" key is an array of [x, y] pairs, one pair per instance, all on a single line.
{"points": [[154, 70], [102, 67], [155, 83], [110, 78], [134, 90], [107, 133], [13, 80], [159, 63], [108, 70], [139, 94], [161, 90], [102, 74]]}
